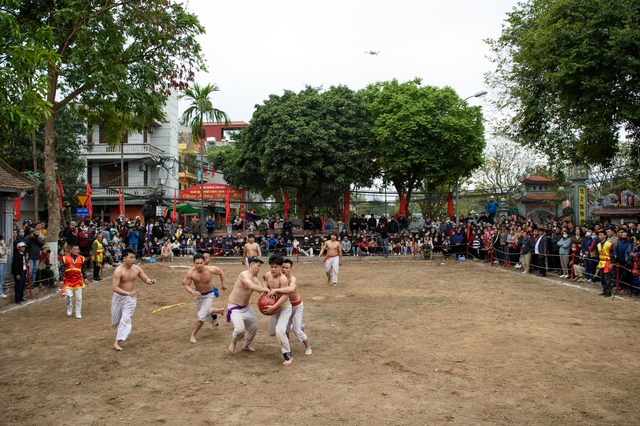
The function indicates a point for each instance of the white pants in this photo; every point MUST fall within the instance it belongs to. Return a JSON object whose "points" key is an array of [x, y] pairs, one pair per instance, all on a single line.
{"points": [[308, 252], [295, 322], [278, 326], [332, 265], [122, 308], [78, 294], [244, 321], [203, 304]]}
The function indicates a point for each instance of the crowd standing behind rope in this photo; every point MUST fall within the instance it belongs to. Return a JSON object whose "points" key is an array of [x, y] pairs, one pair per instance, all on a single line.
{"points": [[571, 252]]}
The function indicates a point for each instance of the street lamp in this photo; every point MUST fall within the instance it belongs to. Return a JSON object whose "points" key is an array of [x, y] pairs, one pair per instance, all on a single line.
{"points": [[479, 94]]}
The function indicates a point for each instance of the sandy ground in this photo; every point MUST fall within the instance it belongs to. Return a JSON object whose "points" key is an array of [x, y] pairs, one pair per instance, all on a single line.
{"points": [[398, 342]]}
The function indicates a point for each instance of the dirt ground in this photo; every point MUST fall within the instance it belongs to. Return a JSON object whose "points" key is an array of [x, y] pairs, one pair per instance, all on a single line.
{"points": [[398, 342]]}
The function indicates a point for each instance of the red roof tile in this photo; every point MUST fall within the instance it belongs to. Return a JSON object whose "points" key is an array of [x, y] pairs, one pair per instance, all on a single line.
{"points": [[11, 179], [536, 178], [532, 196]]}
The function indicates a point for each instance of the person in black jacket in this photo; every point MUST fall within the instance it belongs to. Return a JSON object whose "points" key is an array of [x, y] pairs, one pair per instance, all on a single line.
{"points": [[540, 250], [354, 224], [19, 271]]}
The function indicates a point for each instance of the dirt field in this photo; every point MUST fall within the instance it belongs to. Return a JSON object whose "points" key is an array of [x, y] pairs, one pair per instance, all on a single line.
{"points": [[398, 342]]}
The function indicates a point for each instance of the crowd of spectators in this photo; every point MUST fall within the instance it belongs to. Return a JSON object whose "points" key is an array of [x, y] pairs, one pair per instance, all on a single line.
{"points": [[568, 250]]}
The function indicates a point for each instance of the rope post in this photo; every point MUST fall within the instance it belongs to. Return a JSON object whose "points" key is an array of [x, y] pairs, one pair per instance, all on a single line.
{"points": [[617, 281]]}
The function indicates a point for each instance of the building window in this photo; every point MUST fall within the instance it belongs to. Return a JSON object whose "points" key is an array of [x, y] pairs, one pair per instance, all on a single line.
{"points": [[110, 174]]}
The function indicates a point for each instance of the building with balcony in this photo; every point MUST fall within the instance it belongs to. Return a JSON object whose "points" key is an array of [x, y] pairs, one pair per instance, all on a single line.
{"points": [[143, 166]]}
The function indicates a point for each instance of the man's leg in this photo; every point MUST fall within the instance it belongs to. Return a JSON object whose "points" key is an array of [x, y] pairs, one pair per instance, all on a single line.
{"points": [[78, 295], [282, 321], [122, 308]]}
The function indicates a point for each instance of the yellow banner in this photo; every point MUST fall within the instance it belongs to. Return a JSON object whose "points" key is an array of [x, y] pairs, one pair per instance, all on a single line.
{"points": [[582, 204]]}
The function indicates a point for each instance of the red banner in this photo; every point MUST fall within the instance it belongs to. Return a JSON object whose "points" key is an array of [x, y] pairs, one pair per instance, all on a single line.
{"points": [[175, 207], [212, 191], [450, 206], [16, 208], [120, 203], [227, 207], [345, 213], [61, 192], [402, 210], [89, 204], [286, 203]]}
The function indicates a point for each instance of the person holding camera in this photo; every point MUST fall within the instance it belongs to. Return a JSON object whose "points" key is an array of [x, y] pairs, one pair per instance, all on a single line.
{"points": [[34, 242]]}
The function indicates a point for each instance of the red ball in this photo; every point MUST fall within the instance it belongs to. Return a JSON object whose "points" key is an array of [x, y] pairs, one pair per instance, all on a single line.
{"points": [[264, 302]]}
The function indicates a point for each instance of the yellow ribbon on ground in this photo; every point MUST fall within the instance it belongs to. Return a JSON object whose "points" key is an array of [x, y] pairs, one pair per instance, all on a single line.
{"points": [[167, 307]]}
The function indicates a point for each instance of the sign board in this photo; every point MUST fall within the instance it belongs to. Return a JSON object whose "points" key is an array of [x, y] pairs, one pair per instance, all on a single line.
{"points": [[82, 211], [212, 191], [582, 204], [82, 199], [160, 210]]}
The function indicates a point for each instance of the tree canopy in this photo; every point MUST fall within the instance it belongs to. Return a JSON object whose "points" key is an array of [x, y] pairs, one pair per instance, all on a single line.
{"points": [[118, 60], [570, 72], [423, 133], [308, 143]]}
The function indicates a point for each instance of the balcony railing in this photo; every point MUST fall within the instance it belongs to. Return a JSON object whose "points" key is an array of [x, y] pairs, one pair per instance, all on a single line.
{"points": [[127, 191], [128, 148]]}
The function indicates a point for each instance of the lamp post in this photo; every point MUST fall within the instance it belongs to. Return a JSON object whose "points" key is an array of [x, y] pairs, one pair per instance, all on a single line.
{"points": [[479, 94]]}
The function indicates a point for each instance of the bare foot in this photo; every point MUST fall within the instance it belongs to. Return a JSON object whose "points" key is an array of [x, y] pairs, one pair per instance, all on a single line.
{"points": [[115, 325], [218, 311], [214, 325], [335, 285], [193, 339], [116, 346], [248, 349], [288, 362], [232, 347]]}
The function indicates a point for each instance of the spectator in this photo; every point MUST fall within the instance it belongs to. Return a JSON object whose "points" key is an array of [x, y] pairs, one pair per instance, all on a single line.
{"points": [[34, 242], [393, 227], [364, 246], [415, 226], [237, 223], [5, 249], [66, 213], [210, 224], [402, 223], [492, 209], [540, 251], [278, 226], [564, 250], [306, 248], [372, 223], [525, 245], [158, 230], [345, 245], [426, 248], [354, 224], [384, 237], [307, 223], [317, 224], [287, 226], [166, 252], [148, 213], [589, 253], [196, 226], [19, 271]]}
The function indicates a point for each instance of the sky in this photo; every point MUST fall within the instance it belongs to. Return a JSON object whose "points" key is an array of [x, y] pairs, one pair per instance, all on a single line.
{"points": [[255, 48]]}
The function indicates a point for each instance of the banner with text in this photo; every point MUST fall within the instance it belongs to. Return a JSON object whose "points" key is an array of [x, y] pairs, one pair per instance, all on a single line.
{"points": [[212, 191]]}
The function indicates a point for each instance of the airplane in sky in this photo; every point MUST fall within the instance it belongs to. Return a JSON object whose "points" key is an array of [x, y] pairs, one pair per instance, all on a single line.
{"points": [[371, 52]]}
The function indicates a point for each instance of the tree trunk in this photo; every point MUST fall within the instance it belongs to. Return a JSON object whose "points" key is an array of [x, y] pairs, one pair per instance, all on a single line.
{"points": [[50, 185]]}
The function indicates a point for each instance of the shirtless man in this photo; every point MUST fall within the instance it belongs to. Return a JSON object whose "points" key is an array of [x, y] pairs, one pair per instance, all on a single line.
{"points": [[333, 261], [297, 307], [239, 310], [125, 298], [251, 249], [202, 277], [279, 321], [214, 312]]}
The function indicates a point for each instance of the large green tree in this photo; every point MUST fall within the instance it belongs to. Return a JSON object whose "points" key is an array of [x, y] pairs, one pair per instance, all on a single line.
{"points": [[308, 143], [569, 70], [117, 59], [423, 133]]}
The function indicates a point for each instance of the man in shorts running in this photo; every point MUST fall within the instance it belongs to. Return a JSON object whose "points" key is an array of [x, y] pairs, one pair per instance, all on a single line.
{"points": [[333, 261], [251, 249], [125, 298], [202, 277]]}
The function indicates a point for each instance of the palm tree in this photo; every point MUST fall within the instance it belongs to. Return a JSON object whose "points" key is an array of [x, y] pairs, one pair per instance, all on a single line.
{"points": [[201, 108]]}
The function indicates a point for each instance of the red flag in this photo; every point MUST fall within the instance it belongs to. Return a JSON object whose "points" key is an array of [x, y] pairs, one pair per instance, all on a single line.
{"points": [[402, 210], [450, 206], [120, 203], [228, 207], [213, 172], [286, 203], [16, 208], [175, 207], [89, 205], [61, 192], [184, 179], [345, 213]]}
